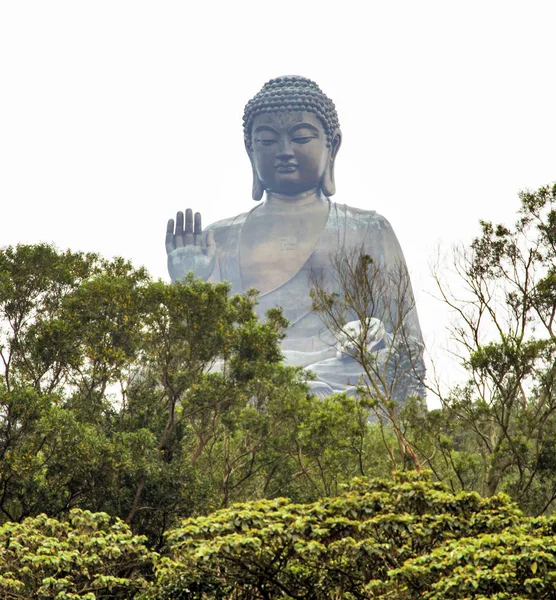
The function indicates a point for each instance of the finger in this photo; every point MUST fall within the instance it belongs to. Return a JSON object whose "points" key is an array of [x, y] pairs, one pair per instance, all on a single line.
{"points": [[211, 245], [179, 230], [170, 239], [188, 238], [198, 229]]}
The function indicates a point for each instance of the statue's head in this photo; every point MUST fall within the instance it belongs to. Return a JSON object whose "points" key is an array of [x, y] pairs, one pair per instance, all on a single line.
{"points": [[292, 136]]}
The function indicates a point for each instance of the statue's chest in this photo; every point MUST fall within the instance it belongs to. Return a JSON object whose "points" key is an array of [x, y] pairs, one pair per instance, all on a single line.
{"points": [[272, 251]]}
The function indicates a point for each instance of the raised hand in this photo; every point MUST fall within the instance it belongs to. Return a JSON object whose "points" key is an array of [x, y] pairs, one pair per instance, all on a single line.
{"points": [[188, 247]]}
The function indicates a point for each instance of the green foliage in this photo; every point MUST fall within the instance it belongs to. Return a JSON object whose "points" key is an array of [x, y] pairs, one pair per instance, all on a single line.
{"points": [[90, 556], [507, 565], [153, 401], [67, 318], [107, 399], [503, 420], [348, 546]]}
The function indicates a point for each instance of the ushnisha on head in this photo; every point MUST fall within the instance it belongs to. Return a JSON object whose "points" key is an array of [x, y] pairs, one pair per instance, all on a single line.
{"points": [[282, 106]]}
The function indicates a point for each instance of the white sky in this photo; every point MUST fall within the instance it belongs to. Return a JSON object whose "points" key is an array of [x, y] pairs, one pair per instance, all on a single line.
{"points": [[116, 114]]}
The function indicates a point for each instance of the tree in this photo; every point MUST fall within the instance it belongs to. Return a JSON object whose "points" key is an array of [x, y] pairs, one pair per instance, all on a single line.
{"points": [[401, 539], [506, 332], [370, 312], [108, 399], [154, 401], [69, 326]]}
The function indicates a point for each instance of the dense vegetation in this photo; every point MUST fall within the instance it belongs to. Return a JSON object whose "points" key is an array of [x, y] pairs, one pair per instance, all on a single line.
{"points": [[402, 538], [128, 405]]}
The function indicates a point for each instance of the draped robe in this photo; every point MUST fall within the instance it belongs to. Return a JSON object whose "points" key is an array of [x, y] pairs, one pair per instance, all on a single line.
{"points": [[346, 230]]}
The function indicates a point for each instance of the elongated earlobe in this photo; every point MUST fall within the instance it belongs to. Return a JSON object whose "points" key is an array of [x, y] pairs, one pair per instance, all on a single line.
{"points": [[258, 189], [328, 185]]}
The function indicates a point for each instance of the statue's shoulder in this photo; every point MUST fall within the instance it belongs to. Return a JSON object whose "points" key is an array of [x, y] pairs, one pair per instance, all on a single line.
{"points": [[222, 229], [360, 217]]}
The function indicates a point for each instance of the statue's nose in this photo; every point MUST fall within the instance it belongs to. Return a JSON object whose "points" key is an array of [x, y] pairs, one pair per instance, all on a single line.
{"points": [[284, 149]]}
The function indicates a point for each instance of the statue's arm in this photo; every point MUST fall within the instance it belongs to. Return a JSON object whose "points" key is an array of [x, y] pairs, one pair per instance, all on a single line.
{"points": [[399, 314], [306, 359], [398, 307]]}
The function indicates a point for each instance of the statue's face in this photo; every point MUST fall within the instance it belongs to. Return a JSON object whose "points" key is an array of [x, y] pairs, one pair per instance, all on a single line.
{"points": [[289, 151]]}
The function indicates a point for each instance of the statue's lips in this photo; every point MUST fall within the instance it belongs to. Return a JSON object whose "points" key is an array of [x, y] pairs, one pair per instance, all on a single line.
{"points": [[286, 168]]}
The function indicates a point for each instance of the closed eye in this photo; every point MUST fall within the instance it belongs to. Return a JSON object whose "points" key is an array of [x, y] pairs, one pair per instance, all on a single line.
{"points": [[304, 139], [266, 141]]}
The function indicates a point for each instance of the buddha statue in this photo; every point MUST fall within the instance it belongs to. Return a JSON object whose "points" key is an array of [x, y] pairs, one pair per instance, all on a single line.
{"points": [[292, 137]]}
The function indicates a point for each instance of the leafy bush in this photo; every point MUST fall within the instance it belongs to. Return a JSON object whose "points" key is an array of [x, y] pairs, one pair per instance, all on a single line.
{"points": [[508, 565], [350, 546], [89, 556]]}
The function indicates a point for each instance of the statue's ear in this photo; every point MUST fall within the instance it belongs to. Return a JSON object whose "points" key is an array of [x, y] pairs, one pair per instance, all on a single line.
{"points": [[328, 186], [258, 188]]}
